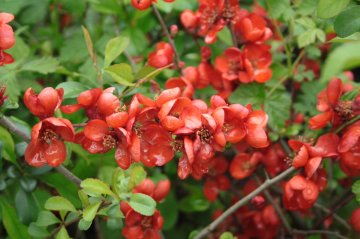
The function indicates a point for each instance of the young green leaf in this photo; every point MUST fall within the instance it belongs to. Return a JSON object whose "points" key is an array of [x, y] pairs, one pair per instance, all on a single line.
{"points": [[43, 65], [84, 225], [114, 48], [38, 232], [58, 203], [227, 235], [89, 43], [95, 187], [121, 73], [46, 218], [143, 204], [330, 8], [90, 211], [62, 234]]}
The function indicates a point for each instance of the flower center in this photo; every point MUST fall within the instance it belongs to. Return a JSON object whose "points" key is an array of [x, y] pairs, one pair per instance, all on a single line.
{"points": [[146, 222], [344, 110], [178, 145], [48, 135], [109, 141], [205, 135]]}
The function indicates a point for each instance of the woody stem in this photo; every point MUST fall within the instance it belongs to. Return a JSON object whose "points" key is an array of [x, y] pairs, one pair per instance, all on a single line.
{"points": [[167, 34], [212, 226], [12, 128]]}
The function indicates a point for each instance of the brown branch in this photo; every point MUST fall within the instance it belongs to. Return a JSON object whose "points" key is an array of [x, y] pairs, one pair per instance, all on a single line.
{"points": [[276, 206], [167, 34], [336, 217], [242, 202], [319, 232], [12, 128]]}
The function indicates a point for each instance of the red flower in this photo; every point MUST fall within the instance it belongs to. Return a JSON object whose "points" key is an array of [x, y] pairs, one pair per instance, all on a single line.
{"points": [[45, 103], [184, 84], [355, 220], [99, 104], [243, 165], [47, 142], [7, 39], [5, 58], [162, 56], [311, 157], [333, 110], [138, 226], [141, 4], [252, 28], [300, 193], [157, 191], [247, 66]]}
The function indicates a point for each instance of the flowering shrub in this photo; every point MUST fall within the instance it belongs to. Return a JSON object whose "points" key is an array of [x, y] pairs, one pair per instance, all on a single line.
{"points": [[148, 119]]}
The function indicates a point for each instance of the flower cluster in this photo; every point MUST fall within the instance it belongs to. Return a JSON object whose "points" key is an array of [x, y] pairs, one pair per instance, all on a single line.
{"points": [[145, 130], [138, 226], [7, 38]]}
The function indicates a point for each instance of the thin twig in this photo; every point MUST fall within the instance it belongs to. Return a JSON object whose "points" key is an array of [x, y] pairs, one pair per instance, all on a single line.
{"points": [[278, 210], [166, 31], [346, 124], [242, 202], [319, 232], [69, 175], [4, 121], [336, 217]]}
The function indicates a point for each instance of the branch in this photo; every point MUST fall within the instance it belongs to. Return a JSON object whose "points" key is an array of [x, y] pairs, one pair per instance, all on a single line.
{"points": [[343, 126], [336, 217], [12, 128], [166, 31], [321, 232], [276, 206], [69, 175], [242, 202]]}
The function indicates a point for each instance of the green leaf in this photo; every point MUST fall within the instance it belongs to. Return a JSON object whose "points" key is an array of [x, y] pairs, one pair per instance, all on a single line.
{"points": [[84, 225], [14, 228], [71, 89], [83, 198], [121, 73], [225, 36], [330, 8], [348, 22], [62, 234], [227, 235], [114, 48], [58, 203], [95, 187], [137, 175], [37, 231], [308, 37], [356, 190], [8, 145], [90, 212], [143, 204], [43, 65], [169, 211], [344, 57], [89, 43], [252, 93], [277, 106], [280, 9], [46, 218]]}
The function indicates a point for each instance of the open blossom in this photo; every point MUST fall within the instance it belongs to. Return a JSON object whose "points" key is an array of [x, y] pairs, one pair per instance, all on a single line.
{"points": [[45, 103], [333, 109], [251, 64], [162, 56], [47, 142], [311, 157]]}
